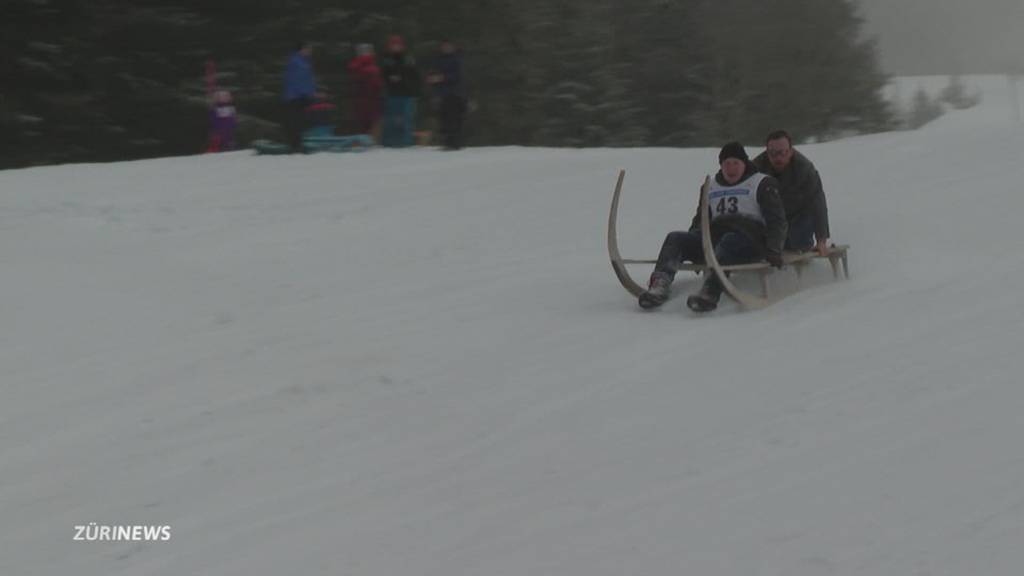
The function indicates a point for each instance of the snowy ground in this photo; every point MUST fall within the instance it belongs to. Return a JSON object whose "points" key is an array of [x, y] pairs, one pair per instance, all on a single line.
{"points": [[415, 362]]}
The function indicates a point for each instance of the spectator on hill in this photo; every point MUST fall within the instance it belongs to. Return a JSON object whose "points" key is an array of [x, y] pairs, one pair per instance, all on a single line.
{"points": [[223, 120], [299, 90], [451, 94], [368, 91], [402, 89]]}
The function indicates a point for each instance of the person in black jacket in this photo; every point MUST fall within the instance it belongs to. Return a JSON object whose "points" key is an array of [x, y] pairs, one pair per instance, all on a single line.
{"points": [[801, 192], [402, 90], [748, 224], [450, 91]]}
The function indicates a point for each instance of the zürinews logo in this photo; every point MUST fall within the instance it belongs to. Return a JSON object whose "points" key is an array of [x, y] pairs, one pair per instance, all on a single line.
{"points": [[93, 532]]}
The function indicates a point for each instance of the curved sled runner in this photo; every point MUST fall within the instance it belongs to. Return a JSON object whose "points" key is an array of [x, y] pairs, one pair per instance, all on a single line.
{"points": [[618, 264], [836, 255]]}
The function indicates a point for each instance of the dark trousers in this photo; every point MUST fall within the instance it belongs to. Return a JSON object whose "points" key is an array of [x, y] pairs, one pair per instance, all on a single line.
{"points": [[731, 248], [801, 233], [452, 113], [399, 121], [295, 123]]}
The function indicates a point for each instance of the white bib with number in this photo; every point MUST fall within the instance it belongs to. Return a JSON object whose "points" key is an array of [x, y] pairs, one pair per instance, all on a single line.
{"points": [[738, 199]]}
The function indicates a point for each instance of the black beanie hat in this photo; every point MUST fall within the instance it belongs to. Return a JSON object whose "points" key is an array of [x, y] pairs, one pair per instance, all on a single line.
{"points": [[733, 150]]}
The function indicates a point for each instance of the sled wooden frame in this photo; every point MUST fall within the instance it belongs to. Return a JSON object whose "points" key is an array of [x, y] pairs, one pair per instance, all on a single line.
{"points": [[836, 255]]}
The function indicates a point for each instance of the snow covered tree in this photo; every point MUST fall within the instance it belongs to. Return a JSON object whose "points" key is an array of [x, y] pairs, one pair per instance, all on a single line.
{"points": [[923, 109], [955, 94]]}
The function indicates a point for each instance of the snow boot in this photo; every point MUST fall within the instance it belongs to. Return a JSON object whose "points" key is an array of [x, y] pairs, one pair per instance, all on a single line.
{"points": [[707, 298], [658, 290]]}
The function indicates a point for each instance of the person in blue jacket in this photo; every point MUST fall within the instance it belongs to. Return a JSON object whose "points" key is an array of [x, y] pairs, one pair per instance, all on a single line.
{"points": [[299, 91]]}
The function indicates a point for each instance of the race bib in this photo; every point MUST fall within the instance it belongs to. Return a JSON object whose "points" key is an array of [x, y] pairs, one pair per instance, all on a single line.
{"points": [[738, 199]]}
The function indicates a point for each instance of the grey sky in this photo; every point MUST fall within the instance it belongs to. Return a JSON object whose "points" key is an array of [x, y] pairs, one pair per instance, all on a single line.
{"points": [[947, 36]]}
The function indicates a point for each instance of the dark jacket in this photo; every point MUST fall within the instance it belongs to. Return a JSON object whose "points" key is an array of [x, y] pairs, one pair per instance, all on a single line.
{"points": [[449, 66], [767, 237], [801, 191], [400, 75]]}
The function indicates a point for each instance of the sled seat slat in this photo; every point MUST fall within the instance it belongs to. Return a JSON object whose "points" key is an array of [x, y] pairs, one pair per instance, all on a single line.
{"points": [[796, 260]]}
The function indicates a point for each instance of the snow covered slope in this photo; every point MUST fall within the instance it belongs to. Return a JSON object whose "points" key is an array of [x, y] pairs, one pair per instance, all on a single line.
{"points": [[416, 362]]}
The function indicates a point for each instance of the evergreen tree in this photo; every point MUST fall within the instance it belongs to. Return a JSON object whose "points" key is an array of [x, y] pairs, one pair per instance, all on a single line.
{"points": [[105, 80]]}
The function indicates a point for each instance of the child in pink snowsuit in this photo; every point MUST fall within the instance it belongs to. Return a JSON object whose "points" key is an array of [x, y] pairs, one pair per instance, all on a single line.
{"points": [[223, 120]]}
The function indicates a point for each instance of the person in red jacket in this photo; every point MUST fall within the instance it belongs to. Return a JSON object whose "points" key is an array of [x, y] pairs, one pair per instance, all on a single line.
{"points": [[368, 93]]}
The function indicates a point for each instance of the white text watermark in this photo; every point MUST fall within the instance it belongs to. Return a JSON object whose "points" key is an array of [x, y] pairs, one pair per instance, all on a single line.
{"points": [[93, 532]]}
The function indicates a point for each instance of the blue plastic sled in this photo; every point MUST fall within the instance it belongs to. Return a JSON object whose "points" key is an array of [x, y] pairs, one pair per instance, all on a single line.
{"points": [[319, 139], [263, 146], [323, 139]]}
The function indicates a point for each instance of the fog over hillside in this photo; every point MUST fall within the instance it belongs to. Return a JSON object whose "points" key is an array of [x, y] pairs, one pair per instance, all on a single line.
{"points": [[947, 36]]}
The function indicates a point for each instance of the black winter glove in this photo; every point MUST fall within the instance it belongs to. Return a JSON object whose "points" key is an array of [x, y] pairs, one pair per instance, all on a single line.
{"points": [[775, 259]]}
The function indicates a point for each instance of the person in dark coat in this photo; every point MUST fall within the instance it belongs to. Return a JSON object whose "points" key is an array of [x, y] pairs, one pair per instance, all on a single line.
{"points": [[801, 192], [299, 92], [402, 90], [748, 224], [451, 94], [368, 90]]}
